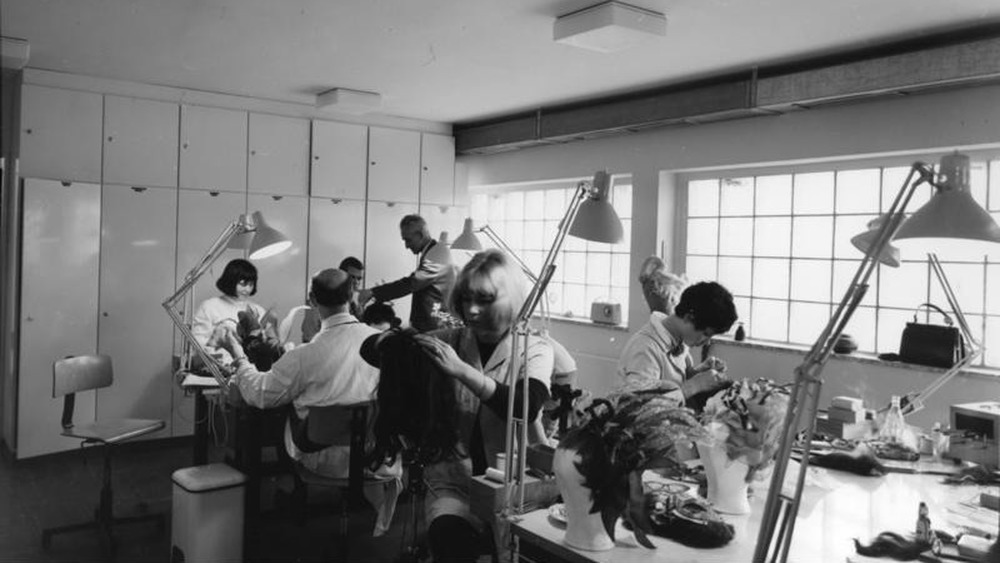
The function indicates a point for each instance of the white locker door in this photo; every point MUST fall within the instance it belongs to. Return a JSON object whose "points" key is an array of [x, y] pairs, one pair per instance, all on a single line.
{"points": [[282, 278], [386, 258], [393, 165], [140, 142], [336, 231], [213, 153], [339, 160], [437, 169], [279, 155], [138, 238], [201, 218], [59, 268], [60, 134]]}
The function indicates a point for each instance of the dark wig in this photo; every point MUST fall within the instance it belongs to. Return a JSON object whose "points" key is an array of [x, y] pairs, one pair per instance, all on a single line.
{"points": [[710, 306], [237, 270], [417, 408]]}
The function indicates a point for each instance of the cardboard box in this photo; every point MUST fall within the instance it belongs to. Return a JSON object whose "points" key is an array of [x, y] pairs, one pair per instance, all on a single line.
{"points": [[844, 430], [845, 415]]}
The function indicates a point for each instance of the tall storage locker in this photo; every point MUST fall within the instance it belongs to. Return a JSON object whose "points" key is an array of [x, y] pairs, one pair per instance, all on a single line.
{"points": [[59, 285], [138, 238], [336, 231]]}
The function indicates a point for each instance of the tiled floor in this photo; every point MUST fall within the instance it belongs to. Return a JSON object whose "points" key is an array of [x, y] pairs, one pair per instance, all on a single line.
{"points": [[62, 489]]}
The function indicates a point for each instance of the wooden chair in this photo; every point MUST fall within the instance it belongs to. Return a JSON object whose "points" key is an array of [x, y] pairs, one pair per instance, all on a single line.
{"points": [[83, 373], [338, 425]]}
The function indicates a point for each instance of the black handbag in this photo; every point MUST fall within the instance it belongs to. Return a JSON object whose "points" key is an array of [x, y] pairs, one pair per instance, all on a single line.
{"points": [[930, 344]]}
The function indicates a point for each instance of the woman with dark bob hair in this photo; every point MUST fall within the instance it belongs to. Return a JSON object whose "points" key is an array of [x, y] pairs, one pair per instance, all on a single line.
{"points": [[217, 314], [468, 430]]}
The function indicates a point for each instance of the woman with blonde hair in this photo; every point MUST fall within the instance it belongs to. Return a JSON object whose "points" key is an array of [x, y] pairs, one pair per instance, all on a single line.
{"points": [[487, 296]]}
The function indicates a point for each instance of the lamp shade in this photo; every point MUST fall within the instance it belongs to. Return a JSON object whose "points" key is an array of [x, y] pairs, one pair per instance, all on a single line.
{"points": [[468, 239], [889, 255], [267, 241], [950, 214], [596, 219]]}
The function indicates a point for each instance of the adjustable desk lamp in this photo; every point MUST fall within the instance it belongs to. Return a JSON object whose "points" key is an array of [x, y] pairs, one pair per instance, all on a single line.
{"points": [[263, 241], [950, 214]]}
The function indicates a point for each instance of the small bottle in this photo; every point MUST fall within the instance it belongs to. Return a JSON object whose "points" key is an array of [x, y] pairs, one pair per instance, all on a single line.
{"points": [[741, 333], [893, 426]]}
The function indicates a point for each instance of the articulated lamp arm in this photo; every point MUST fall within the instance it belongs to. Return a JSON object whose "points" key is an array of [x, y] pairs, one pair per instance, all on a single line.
{"points": [[232, 230]]}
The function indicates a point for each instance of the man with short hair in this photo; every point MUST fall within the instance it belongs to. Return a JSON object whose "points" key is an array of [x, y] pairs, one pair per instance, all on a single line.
{"points": [[328, 370], [430, 283], [659, 350], [355, 270]]}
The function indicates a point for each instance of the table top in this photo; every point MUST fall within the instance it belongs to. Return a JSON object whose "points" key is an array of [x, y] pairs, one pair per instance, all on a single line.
{"points": [[835, 508]]}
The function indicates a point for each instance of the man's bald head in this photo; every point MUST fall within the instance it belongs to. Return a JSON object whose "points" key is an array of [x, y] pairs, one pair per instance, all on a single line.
{"points": [[331, 289]]}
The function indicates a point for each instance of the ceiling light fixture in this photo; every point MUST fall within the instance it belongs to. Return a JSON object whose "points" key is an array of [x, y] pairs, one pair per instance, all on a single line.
{"points": [[609, 26], [14, 52], [349, 101]]}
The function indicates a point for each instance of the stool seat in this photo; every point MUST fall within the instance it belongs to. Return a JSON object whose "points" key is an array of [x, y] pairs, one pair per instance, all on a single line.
{"points": [[113, 431]]}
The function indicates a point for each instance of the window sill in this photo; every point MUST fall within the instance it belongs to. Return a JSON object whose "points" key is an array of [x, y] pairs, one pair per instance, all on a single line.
{"points": [[580, 321], [857, 357]]}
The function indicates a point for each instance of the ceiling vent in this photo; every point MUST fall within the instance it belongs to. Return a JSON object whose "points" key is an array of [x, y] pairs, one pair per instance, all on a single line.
{"points": [[609, 27]]}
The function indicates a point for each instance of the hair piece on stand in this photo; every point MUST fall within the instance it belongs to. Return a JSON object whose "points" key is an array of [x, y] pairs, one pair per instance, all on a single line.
{"points": [[416, 404], [891, 544]]}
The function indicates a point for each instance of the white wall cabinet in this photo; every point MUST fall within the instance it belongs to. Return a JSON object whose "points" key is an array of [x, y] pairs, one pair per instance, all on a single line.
{"points": [[60, 134], [386, 258], [393, 165], [140, 142], [339, 160], [201, 218], [213, 151], [336, 231], [138, 238], [279, 155], [437, 169], [59, 268], [282, 278]]}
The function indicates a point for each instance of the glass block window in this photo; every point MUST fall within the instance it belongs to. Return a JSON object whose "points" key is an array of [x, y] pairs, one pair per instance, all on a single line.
{"points": [[527, 219], [781, 242]]}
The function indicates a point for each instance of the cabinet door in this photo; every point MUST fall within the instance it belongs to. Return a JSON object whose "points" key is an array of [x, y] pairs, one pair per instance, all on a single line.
{"points": [[60, 134], [339, 160], [138, 234], [140, 142], [281, 279], [213, 149], [393, 165], [386, 258], [437, 170], [201, 218], [59, 273], [279, 155], [444, 219], [336, 231]]}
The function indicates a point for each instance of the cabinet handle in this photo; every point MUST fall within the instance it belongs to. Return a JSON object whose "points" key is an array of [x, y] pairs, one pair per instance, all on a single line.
{"points": [[185, 145], [373, 163], [253, 153], [66, 184], [110, 138], [27, 131], [28, 319], [390, 204], [105, 313], [336, 200], [443, 208], [277, 197], [138, 189], [316, 157], [213, 194], [425, 169]]}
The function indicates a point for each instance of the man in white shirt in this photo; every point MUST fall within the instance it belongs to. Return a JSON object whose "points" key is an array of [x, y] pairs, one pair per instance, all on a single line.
{"points": [[328, 370]]}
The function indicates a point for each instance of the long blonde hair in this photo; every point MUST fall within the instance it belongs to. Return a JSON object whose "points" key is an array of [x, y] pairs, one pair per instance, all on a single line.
{"points": [[489, 271]]}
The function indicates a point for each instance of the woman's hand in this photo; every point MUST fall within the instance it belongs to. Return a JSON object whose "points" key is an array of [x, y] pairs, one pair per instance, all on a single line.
{"points": [[704, 382], [443, 355], [712, 363]]}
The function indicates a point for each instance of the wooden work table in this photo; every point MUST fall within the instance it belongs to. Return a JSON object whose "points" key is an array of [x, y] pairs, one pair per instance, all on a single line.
{"points": [[836, 507]]}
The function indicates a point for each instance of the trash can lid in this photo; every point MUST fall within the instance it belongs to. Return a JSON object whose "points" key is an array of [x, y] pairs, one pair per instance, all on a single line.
{"points": [[209, 477]]}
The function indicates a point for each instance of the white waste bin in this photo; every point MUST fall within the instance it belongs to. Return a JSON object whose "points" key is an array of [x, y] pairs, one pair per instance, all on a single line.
{"points": [[207, 514]]}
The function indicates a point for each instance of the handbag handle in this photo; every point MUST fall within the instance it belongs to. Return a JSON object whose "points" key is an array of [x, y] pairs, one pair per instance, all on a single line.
{"points": [[931, 306]]}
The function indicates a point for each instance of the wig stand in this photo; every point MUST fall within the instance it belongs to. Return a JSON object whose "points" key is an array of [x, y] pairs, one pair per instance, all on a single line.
{"points": [[416, 551]]}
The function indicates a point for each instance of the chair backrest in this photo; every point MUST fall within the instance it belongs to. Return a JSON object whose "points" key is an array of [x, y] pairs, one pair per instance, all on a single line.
{"points": [[79, 373], [344, 425]]}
